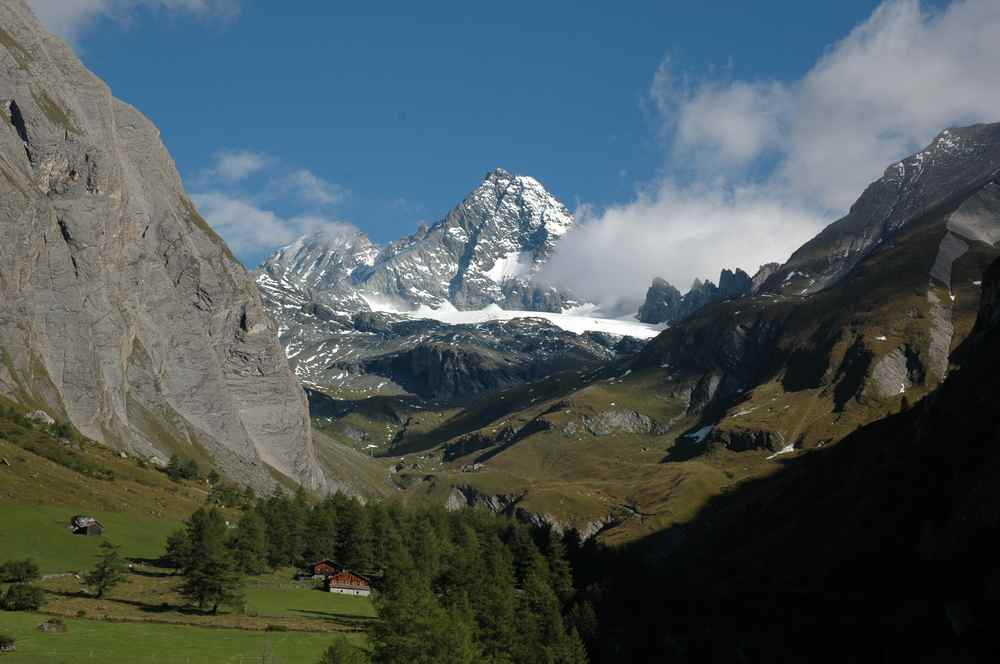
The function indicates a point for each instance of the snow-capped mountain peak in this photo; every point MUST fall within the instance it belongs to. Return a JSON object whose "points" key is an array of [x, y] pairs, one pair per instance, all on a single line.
{"points": [[485, 251]]}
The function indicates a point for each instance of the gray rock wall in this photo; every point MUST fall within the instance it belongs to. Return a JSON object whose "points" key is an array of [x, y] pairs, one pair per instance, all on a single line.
{"points": [[122, 311]]}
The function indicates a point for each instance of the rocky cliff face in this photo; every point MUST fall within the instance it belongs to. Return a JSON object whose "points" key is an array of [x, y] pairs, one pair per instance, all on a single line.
{"points": [[123, 312]]}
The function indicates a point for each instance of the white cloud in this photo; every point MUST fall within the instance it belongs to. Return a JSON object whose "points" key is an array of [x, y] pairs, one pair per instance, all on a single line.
{"points": [[71, 18], [784, 155], [677, 233], [243, 212], [310, 188], [250, 229], [236, 166]]}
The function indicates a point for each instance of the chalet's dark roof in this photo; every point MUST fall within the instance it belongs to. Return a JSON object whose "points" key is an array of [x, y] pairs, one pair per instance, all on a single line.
{"points": [[328, 562], [83, 521]]}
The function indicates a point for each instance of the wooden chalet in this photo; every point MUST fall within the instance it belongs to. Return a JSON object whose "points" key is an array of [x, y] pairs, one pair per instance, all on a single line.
{"points": [[85, 525], [347, 582], [325, 568]]}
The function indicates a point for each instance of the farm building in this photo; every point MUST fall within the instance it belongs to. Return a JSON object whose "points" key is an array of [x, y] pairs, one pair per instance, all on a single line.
{"points": [[325, 568], [347, 582], [85, 525]]}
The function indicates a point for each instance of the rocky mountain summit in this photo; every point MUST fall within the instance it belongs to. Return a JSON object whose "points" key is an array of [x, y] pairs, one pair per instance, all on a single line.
{"points": [[957, 163], [487, 250], [342, 302], [123, 312]]}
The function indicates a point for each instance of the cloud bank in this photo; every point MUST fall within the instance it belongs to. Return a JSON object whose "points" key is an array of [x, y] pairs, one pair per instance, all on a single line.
{"points": [[241, 194], [755, 168], [71, 18]]}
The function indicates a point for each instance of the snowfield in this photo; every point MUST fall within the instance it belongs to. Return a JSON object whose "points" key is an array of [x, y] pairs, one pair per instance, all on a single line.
{"points": [[577, 320]]}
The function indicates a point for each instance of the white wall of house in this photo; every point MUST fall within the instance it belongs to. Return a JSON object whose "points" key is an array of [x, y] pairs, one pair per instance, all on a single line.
{"points": [[351, 591]]}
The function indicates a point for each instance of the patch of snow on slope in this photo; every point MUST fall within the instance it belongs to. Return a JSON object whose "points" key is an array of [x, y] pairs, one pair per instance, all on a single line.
{"points": [[511, 266], [787, 449], [571, 323]]}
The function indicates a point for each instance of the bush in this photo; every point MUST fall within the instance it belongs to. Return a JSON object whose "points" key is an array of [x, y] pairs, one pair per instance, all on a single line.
{"points": [[22, 597], [181, 468], [275, 628], [7, 642], [19, 571], [342, 652]]}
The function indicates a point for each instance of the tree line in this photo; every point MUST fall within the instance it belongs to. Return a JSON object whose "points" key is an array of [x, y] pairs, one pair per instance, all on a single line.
{"points": [[459, 587]]}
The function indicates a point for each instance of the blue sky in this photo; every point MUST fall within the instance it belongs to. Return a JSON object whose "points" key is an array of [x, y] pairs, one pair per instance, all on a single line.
{"points": [[386, 116]]}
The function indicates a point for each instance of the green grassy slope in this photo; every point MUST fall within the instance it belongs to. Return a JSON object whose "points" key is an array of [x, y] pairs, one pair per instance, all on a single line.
{"points": [[131, 643]]}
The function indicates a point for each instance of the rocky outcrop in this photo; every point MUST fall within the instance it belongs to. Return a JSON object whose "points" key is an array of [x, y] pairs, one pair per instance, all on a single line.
{"points": [[665, 304], [743, 440], [123, 312], [762, 275], [619, 420], [734, 284], [465, 496]]}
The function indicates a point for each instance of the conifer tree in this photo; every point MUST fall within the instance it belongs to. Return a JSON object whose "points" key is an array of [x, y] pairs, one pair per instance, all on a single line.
{"points": [[210, 575], [109, 571], [560, 572], [249, 544], [320, 537], [354, 546]]}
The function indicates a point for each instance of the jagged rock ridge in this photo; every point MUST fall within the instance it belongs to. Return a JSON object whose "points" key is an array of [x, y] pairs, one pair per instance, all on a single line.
{"points": [[665, 304], [123, 312]]}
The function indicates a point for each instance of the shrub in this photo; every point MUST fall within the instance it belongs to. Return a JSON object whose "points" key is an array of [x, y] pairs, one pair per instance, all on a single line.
{"points": [[22, 597], [7, 642], [275, 628], [81, 613], [19, 571], [181, 468]]}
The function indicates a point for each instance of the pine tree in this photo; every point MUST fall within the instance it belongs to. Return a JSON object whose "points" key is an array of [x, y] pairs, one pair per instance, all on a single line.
{"points": [[110, 570], [249, 544], [414, 628], [495, 605], [354, 546], [320, 537], [523, 548], [540, 629], [210, 575], [178, 550], [560, 572]]}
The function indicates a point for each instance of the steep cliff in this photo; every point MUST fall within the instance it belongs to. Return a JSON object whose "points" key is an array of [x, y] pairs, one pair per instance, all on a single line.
{"points": [[122, 311]]}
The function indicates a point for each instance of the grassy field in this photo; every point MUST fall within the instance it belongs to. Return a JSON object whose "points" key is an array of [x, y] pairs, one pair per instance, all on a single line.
{"points": [[39, 532], [150, 595], [276, 595], [126, 643]]}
